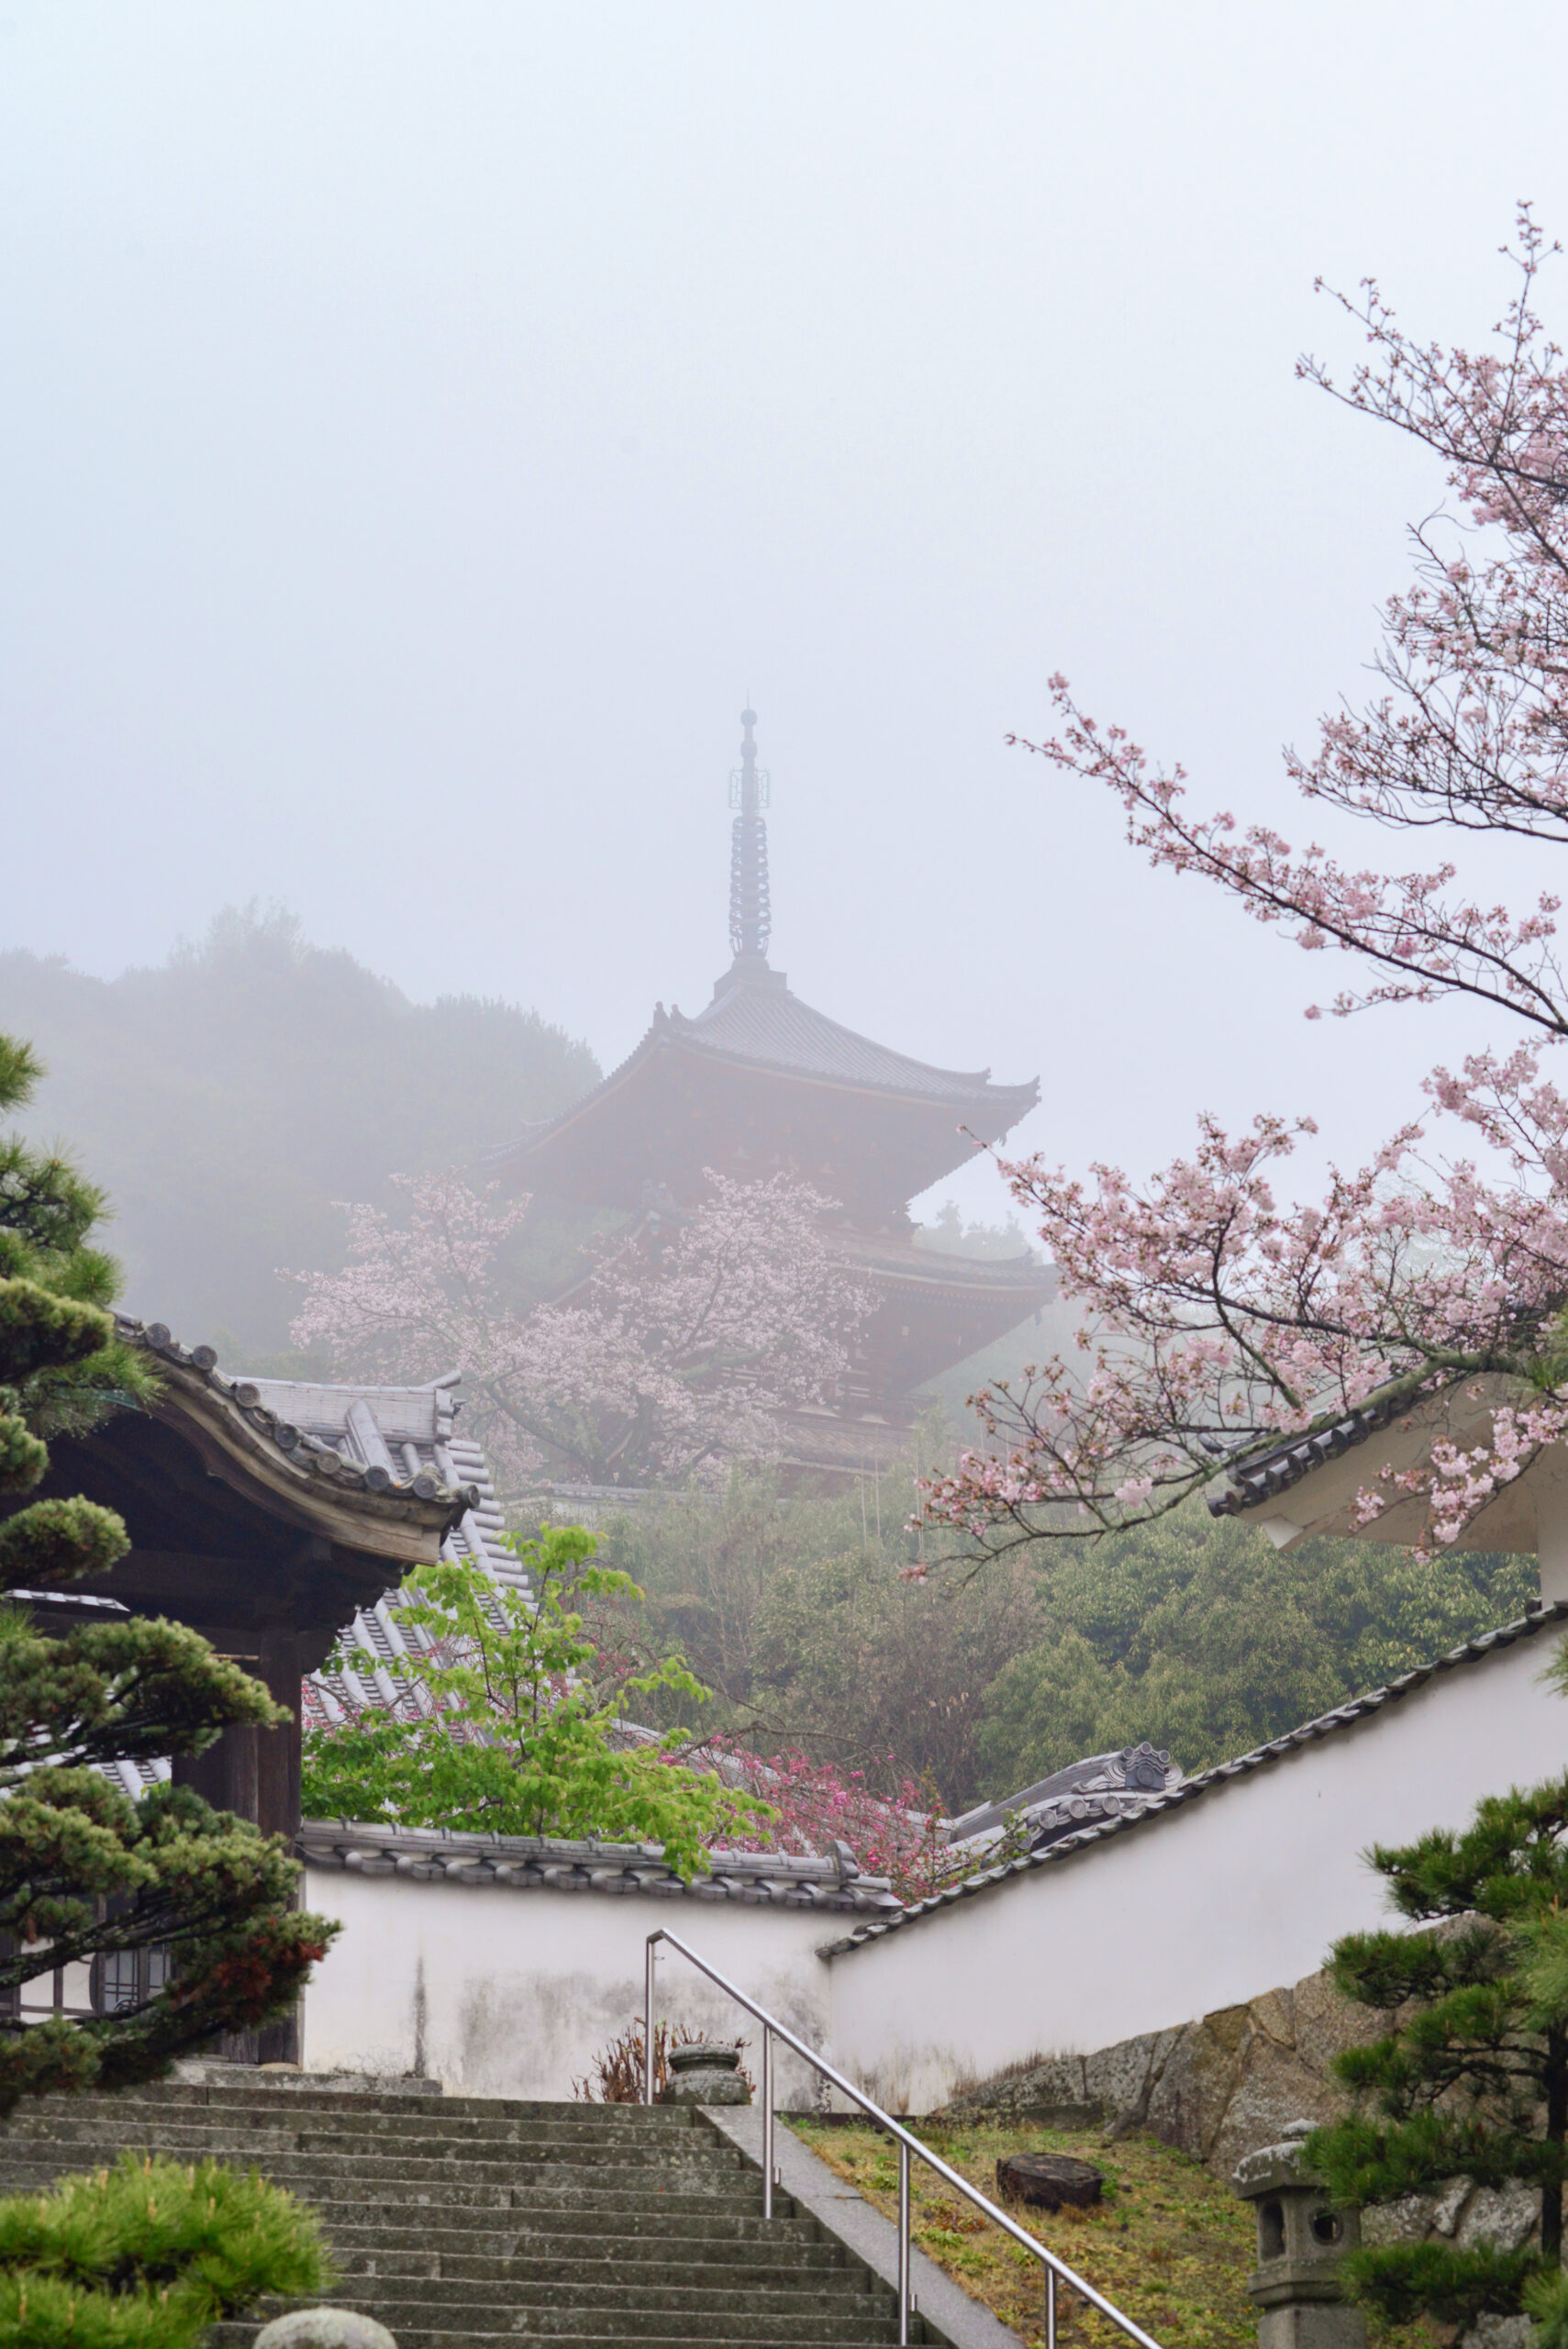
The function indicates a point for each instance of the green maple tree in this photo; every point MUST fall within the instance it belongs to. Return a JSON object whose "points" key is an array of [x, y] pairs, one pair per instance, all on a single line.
{"points": [[510, 1726]]}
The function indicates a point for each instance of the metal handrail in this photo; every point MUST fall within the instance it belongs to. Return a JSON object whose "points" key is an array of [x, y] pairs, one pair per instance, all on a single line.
{"points": [[1055, 2269]]}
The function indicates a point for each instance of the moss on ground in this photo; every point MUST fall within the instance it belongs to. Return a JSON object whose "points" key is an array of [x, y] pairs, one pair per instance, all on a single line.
{"points": [[1170, 2243]]}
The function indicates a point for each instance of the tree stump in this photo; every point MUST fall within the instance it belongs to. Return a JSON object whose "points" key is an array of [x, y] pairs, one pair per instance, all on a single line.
{"points": [[1048, 2181]]}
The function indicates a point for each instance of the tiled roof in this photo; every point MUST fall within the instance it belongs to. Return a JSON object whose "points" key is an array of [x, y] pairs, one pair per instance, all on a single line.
{"points": [[1268, 1474], [758, 1019], [1101, 1785], [395, 1441], [409, 1431], [532, 1863], [280, 1413], [897, 1257], [1542, 1618]]}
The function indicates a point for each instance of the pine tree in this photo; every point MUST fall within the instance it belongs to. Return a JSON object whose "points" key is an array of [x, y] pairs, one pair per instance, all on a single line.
{"points": [[84, 1870], [149, 2254], [1470, 2081]]}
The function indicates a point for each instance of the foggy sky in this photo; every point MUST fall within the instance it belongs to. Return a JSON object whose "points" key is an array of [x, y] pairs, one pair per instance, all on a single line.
{"points": [[425, 425]]}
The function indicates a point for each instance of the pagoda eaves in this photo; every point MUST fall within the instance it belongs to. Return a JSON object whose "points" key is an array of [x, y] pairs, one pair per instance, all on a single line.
{"points": [[756, 1081], [759, 1082]]}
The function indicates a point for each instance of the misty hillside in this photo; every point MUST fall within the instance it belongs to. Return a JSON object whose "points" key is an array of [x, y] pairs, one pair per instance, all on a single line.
{"points": [[226, 1099]]}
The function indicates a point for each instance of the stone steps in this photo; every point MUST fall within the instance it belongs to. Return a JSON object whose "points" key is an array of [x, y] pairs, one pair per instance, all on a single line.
{"points": [[644, 2262], [459, 2221]]}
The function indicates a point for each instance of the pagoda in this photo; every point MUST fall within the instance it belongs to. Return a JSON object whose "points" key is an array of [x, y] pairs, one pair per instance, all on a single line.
{"points": [[758, 1081]]}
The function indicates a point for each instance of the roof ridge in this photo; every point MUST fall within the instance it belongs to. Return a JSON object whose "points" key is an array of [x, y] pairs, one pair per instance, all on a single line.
{"points": [[715, 1011], [1540, 1617], [303, 1451], [529, 1862]]}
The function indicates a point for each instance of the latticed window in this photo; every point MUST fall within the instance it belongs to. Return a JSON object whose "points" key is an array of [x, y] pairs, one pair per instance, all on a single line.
{"points": [[125, 1979]]}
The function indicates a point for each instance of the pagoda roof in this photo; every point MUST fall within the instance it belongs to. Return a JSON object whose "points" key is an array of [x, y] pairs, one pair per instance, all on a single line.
{"points": [[757, 1037], [756, 1017]]}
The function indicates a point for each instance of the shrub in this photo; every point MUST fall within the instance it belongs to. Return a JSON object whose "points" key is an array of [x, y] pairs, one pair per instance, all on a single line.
{"points": [[149, 2254]]}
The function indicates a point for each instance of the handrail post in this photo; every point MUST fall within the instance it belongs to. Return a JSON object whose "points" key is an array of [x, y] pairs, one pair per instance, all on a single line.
{"points": [[903, 2246], [1056, 2270], [648, 1957], [767, 2120]]}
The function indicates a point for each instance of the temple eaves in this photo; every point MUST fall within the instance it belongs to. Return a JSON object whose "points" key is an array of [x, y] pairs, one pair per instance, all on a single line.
{"points": [[759, 1075]]}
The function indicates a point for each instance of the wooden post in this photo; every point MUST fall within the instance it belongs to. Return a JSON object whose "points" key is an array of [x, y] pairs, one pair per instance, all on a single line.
{"points": [[255, 1773]]}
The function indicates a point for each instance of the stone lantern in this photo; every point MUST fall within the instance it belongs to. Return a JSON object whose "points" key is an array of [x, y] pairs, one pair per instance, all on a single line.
{"points": [[1301, 2240]]}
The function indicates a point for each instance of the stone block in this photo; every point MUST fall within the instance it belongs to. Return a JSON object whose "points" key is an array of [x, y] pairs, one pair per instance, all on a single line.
{"points": [[1499, 2332], [1407, 2221], [1055, 2083], [1188, 2102], [1274, 2088], [1450, 2203], [1325, 2023], [1275, 2015], [1119, 2077], [1504, 2215]]}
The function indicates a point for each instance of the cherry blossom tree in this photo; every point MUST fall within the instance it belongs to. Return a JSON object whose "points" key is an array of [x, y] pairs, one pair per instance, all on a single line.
{"points": [[1216, 1317], [676, 1357], [815, 1804]]}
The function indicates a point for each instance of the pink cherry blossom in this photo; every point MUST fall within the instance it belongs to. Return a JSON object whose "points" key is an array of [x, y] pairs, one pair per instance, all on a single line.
{"points": [[1216, 1318], [677, 1353]]}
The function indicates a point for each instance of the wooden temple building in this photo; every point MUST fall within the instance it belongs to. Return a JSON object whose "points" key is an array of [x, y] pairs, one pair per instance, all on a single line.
{"points": [[273, 1518], [759, 1080]]}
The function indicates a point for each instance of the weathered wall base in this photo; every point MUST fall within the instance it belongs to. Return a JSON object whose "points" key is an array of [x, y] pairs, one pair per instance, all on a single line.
{"points": [[1230, 2083], [507, 1993], [1218, 2088]]}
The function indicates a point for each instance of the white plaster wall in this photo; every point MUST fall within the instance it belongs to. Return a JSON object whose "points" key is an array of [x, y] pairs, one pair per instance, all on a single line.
{"points": [[1215, 1903], [496, 1991]]}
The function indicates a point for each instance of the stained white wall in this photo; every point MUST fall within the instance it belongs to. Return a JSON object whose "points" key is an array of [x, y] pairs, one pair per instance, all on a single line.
{"points": [[1223, 1899], [496, 1991], [503, 1992]]}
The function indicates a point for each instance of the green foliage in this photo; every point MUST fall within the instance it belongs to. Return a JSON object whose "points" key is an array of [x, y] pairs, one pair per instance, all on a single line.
{"points": [[1546, 2300], [891, 1674], [520, 1739], [59, 1541], [147, 2254], [52, 1344], [83, 1871], [708, 1560], [42, 1332], [798, 1614], [1470, 2080], [231, 1096], [1197, 1633]]}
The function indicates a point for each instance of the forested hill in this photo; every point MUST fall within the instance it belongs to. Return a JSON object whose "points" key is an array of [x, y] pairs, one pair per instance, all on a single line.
{"points": [[227, 1098]]}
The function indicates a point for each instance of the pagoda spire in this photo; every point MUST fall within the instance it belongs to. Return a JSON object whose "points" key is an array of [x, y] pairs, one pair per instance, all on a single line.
{"points": [[751, 921]]}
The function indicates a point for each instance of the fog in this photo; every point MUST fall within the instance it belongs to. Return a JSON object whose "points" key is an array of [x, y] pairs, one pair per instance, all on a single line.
{"points": [[425, 426]]}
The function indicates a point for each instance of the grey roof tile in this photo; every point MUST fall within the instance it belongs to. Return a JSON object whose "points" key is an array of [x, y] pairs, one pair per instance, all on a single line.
{"points": [[762, 1021], [528, 1863]]}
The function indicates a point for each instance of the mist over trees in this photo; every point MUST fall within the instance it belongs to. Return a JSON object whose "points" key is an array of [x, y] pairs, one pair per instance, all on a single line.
{"points": [[228, 1098], [801, 1617]]}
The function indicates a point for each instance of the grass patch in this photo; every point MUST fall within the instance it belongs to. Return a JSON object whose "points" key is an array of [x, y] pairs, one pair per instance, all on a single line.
{"points": [[1170, 2243]]}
